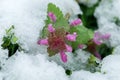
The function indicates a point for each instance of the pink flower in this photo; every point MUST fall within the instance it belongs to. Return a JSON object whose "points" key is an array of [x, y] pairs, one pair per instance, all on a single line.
{"points": [[72, 37], [75, 22], [57, 43], [106, 36], [56, 40], [68, 48], [43, 42], [63, 56], [50, 28], [52, 16], [98, 42], [99, 38]]}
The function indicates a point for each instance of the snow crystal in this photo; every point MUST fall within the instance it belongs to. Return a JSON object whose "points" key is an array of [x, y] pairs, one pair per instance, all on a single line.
{"points": [[29, 67]]}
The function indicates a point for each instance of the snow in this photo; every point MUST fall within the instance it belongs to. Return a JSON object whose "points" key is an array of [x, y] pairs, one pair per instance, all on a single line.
{"points": [[0, 76], [110, 67], [3, 56], [107, 64], [110, 70], [86, 75], [32, 67], [116, 50]]}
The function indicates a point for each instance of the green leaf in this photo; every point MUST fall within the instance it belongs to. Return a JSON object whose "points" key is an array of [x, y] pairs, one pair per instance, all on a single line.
{"points": [[116, 20], [54, 9], [88, 17], [92, 59], [61, 22], [6, 42], [104, 50], [12, 49], [10, 42], [14, 39], [83, 35], [8, 32]]}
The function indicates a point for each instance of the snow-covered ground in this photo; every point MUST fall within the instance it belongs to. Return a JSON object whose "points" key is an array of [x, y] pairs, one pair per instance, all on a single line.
{"points": [[28, 18], [32, 67]]}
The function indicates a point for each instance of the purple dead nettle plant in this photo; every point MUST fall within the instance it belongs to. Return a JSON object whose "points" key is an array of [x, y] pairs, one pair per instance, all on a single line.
{"points": [[57, 38], [97, 40]]}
